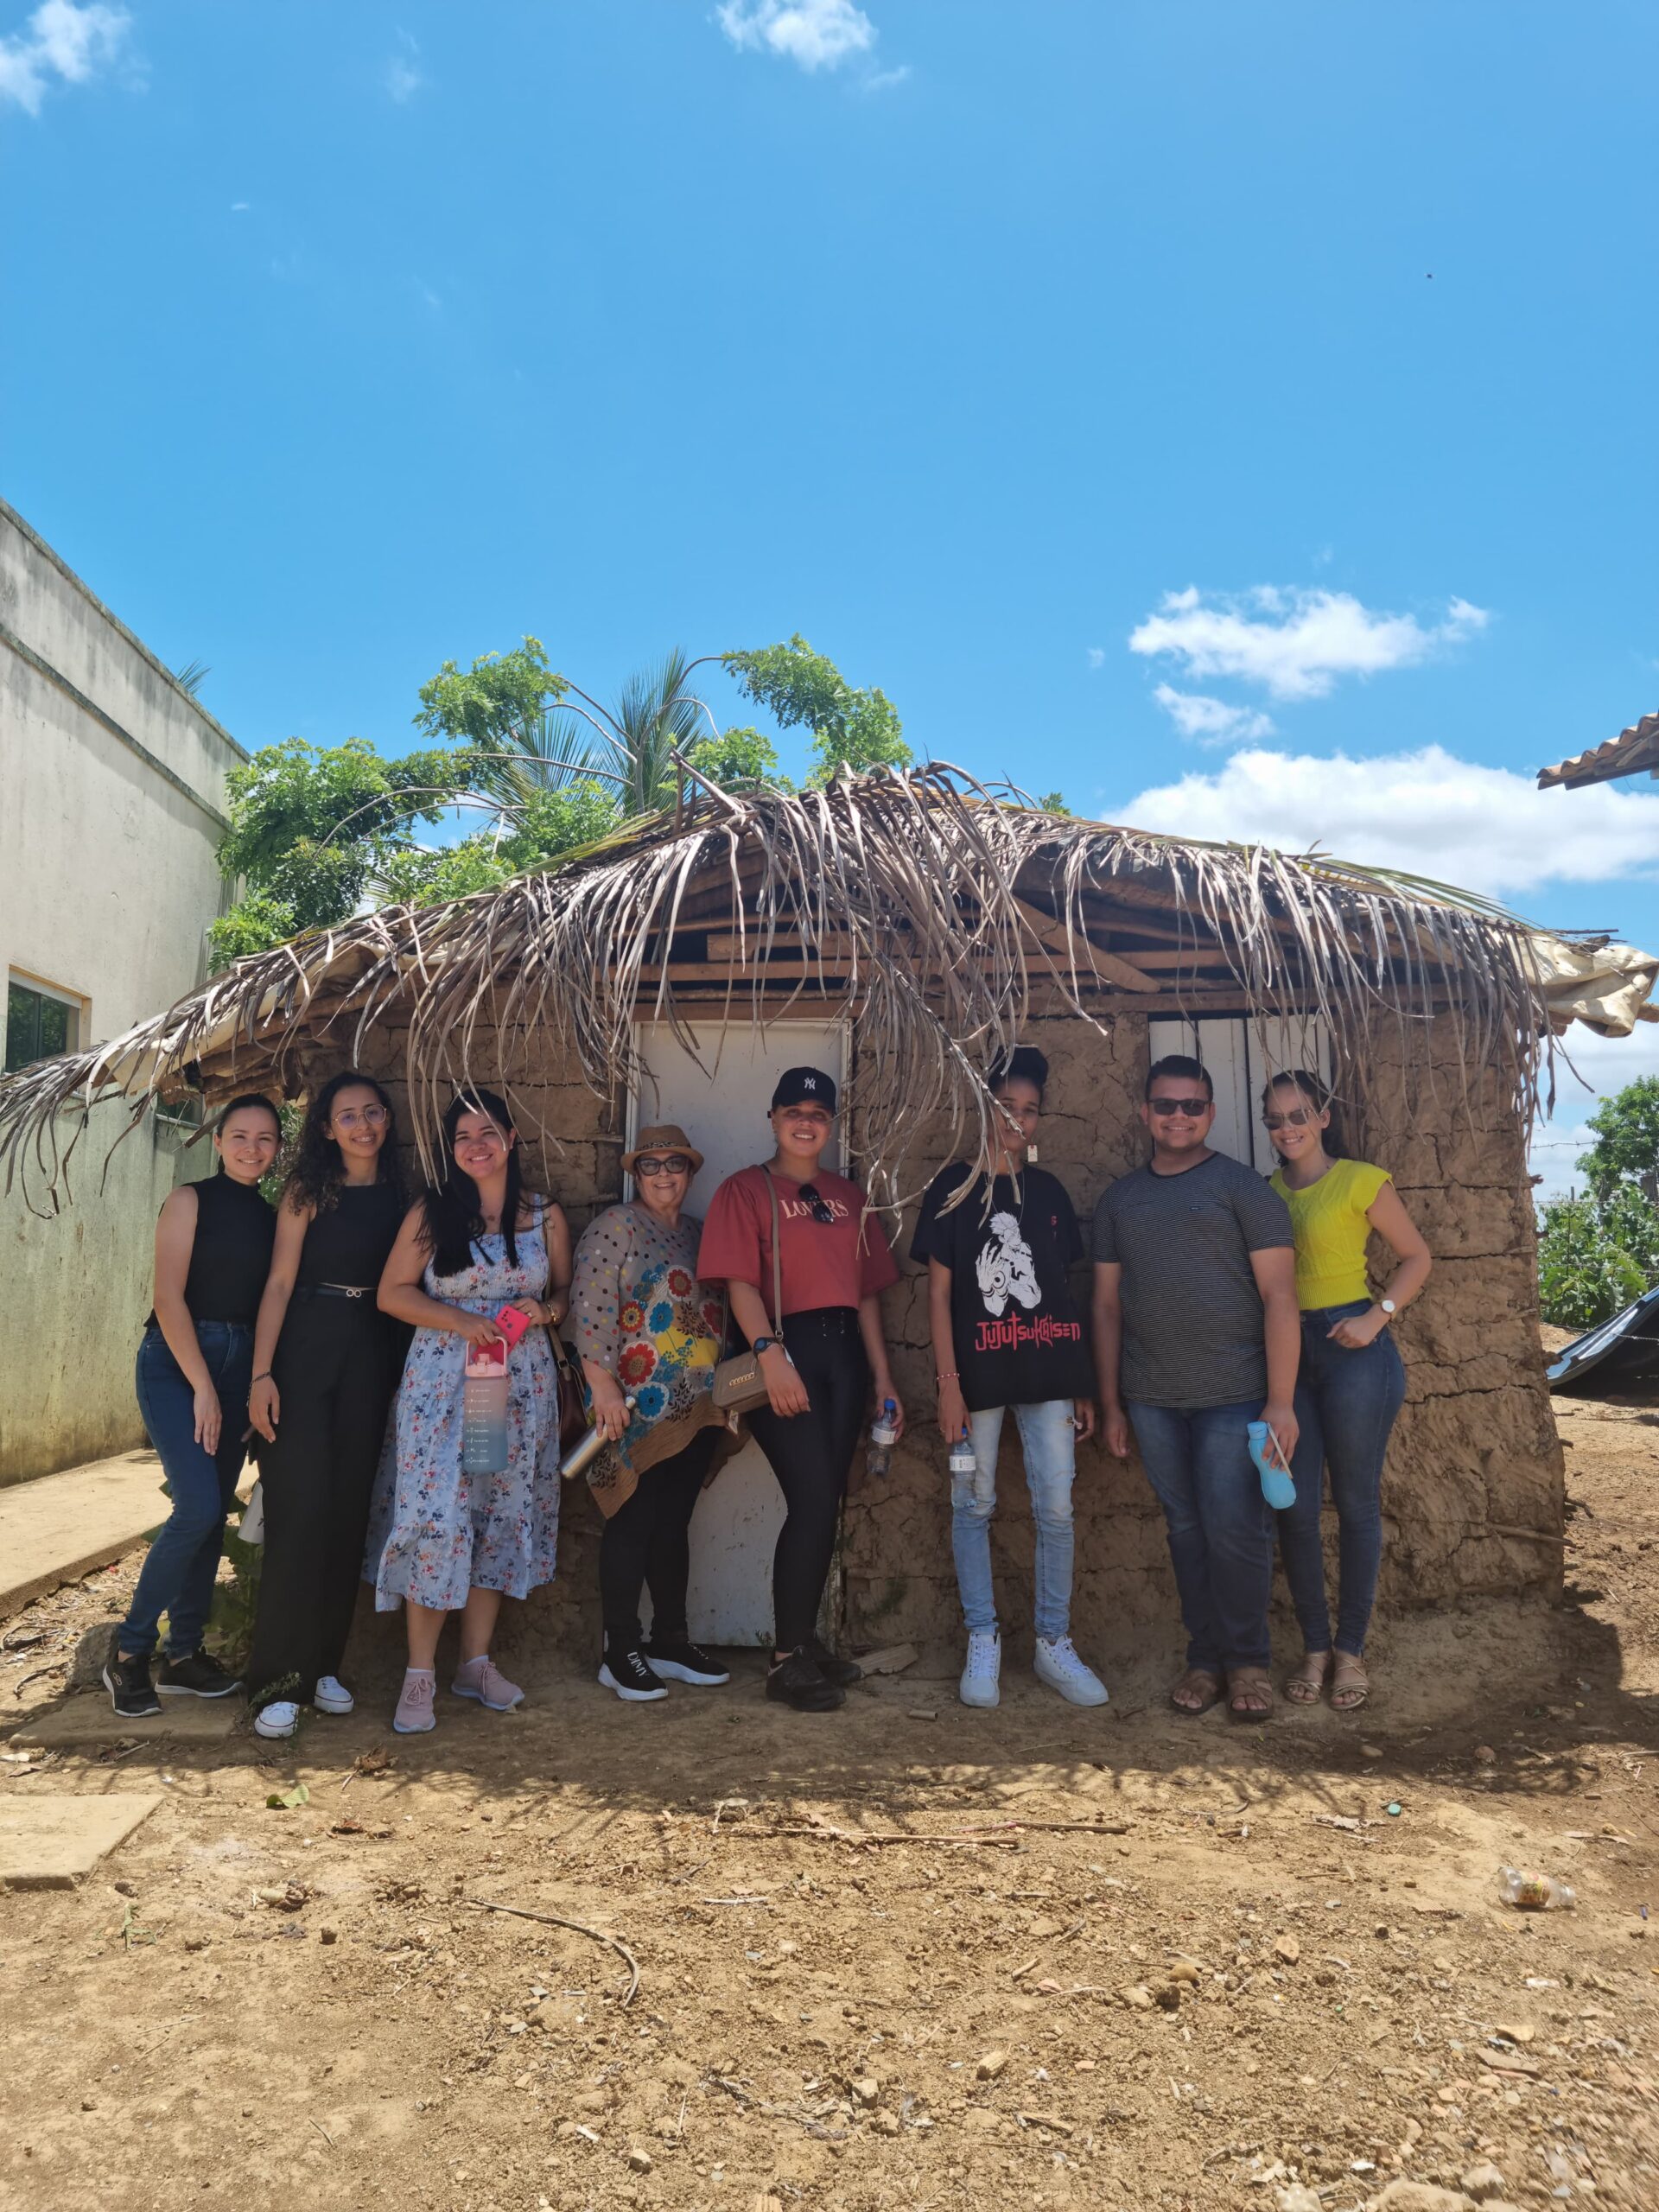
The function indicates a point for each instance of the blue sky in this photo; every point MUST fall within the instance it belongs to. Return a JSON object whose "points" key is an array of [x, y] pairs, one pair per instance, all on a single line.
{"points": [[1237, 415]]}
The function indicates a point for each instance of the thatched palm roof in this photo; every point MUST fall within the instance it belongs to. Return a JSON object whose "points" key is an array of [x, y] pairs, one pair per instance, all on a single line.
{"points": [[944, 915]]}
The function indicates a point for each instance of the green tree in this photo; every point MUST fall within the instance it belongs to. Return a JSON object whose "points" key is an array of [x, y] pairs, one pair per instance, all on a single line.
{"points": [[804, 690], [1596, 1254], [1626, 1150], [738, 759], [495, 701]]}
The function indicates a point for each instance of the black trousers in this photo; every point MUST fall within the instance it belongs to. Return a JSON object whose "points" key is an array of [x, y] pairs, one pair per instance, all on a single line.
{"points": [[647, 1540], [337, 1364], [811, 1454]]}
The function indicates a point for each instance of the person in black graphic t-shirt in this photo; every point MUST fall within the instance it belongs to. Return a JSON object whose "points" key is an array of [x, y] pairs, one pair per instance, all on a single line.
{"points": [[1006, 1333]]}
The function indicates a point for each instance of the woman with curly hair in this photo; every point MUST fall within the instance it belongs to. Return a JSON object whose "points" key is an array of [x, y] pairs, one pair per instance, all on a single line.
{"points": [[441, 1540], [649, 1333], [325, 1361]]}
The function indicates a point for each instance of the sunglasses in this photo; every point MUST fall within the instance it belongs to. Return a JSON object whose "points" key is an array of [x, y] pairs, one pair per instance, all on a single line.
{"points": [[1192, 1108], [1297, 1118], [818, 1207], [676, 1163]]}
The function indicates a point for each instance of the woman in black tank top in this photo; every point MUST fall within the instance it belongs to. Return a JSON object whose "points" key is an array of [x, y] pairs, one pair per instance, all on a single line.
{"points": [[326, 1363], [213, 1250]]}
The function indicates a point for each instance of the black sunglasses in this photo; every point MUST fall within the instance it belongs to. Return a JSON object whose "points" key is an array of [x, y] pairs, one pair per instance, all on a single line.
{"points": [[819, 1208], [1191, 1108], [675, 1163]]}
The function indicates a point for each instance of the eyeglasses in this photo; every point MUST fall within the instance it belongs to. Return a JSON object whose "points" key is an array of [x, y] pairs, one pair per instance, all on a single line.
{"points": [[818, 1207], [1192, 1108], [674, 1163], [1297, 1118], [371, 1117]]}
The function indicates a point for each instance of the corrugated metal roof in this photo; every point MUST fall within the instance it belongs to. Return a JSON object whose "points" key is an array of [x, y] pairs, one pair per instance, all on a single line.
{"points": [[1627, 754]]}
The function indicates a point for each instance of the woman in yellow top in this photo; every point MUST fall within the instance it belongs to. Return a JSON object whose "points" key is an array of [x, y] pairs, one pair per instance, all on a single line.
{"points": [[1350, 1382]]}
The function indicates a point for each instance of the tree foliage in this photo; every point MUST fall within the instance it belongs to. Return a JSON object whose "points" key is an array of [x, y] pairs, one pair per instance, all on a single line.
{"points": [[1626, 1150], [319, 831], [804, 690], [1596, 1252]]}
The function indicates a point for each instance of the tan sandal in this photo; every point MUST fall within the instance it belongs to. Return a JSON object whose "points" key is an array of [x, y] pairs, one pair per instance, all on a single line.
{"points": [[1306, 1685], [1350, 1684], [1203, 1690]]}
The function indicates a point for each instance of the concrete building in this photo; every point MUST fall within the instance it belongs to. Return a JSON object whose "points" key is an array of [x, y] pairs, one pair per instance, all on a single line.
{"points": [[111, 808]]}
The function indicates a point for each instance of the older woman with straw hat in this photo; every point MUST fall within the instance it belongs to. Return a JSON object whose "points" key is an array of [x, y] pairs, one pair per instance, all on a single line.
{"points": [[649, 1335]]}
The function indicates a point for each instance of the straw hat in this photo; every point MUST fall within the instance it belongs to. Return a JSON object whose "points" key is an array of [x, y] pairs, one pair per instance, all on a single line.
{"points": [[661, 1136]]}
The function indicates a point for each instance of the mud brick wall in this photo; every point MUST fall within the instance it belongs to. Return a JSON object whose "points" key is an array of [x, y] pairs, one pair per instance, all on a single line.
{"points": [[1473, 1493]]}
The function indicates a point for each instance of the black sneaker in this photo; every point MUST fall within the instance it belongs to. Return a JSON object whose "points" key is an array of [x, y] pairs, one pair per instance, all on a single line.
{"points": [[629, 1677], [798, 1681], [842, 1671], [126, 1678], [677, 1659], [200, 1674]]}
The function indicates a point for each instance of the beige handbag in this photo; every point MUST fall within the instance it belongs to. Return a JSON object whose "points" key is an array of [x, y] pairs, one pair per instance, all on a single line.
{"points": [[738, 1384]]}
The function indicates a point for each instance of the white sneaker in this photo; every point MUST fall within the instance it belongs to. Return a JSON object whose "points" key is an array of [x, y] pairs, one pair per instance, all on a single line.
{"points": [[281, 1718], [981, 1676], [1059, 1665], [332, 1696]]}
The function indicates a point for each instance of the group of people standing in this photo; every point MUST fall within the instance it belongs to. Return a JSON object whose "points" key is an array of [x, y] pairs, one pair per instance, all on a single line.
{"points": [[333, 1332]]}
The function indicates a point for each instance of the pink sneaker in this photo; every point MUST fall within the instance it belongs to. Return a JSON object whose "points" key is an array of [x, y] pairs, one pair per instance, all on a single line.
{"points": [[482, 1679], [415, 1715]]}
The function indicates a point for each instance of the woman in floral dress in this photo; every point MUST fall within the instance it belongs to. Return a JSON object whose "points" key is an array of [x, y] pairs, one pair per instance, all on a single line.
{"points": [[442, 1540], [648, 1331]]}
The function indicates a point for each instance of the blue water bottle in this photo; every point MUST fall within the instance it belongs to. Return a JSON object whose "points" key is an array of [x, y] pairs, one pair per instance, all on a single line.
{"points": [[1276, 1485]]}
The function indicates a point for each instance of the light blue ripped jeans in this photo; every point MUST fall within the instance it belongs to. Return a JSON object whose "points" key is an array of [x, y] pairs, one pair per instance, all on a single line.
{"points": [[1048, 1441]]}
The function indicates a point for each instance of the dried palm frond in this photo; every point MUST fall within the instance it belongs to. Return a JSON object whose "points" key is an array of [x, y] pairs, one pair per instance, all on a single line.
{"points": [[926, 883]]}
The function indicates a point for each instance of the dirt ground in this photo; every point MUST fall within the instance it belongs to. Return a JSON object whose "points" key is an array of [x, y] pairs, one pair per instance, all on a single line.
{"points": [[905, 1955]]}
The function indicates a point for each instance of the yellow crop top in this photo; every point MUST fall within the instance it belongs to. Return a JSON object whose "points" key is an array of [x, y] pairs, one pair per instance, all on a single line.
{"points": [[1328, 1221]]}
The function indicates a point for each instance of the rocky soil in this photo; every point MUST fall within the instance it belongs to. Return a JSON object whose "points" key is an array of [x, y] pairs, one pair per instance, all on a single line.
{"points": [[907, 1955]]}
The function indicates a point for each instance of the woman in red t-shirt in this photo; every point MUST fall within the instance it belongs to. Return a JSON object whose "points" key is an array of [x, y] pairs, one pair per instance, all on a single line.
{"points": [[817, 1358]]}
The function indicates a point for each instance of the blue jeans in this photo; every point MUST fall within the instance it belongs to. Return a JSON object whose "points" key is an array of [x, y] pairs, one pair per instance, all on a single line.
{"points": [[1220, 1527], [177, 1576], [1346, 1406], [1048, 1442]]}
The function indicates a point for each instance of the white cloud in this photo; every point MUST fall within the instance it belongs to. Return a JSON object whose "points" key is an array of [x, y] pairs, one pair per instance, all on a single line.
{"points": [[1211, 721], [1488, 830], [59, 39], [239, 206], [402, 76], [817, 34], [884, 80], [1097, 656], [1294, 642]]}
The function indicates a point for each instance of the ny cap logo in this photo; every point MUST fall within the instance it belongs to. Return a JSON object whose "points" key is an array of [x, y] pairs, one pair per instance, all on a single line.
{"points": [[809, 1083]]}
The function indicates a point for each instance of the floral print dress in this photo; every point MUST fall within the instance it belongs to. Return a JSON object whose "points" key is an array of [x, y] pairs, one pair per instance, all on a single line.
{"points": [[435, 1531], [637, 1308]]}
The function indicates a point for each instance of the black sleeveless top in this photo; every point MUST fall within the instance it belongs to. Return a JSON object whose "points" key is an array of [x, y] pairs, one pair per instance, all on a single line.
{"points": [[230, 1257], [352, 1241]]}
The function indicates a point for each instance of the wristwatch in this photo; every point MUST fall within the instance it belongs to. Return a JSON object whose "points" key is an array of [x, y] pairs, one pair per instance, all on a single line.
{"points": [[764, 1344], [1389, 1306]]}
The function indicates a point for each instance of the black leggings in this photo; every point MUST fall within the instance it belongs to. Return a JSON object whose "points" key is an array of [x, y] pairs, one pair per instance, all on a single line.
{"points": [[337, 1364], [811, 1454], [646, 1540]]}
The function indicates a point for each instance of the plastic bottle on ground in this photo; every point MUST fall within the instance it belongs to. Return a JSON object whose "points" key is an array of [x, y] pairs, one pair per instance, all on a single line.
{"points": [[1535, 1892]]}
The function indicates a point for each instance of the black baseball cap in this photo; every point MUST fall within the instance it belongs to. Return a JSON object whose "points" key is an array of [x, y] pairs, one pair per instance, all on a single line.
{"points": [[804, 1087]]}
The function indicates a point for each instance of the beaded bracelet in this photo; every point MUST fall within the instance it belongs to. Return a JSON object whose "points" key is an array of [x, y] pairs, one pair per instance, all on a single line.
{"points": [[953, 1376]]}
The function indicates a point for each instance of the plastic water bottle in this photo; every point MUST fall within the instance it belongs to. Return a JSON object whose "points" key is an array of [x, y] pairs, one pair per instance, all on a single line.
{"points": [[883, 1436], [483, 1410], [1535, 1892], [962, 1459]]}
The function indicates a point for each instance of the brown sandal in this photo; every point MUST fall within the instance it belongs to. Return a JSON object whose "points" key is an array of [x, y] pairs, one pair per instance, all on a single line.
{"points": [[1350, 1684], [1306, 1685], [1210, 1693], [1250, 1683]]}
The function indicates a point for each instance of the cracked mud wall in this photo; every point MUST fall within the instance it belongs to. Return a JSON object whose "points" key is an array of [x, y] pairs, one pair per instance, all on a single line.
{"points": [[1474, 1491]]}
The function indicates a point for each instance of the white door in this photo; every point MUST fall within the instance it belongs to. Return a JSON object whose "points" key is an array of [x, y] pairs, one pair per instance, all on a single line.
{"points": [[1241, 1055], [722, 1108]]}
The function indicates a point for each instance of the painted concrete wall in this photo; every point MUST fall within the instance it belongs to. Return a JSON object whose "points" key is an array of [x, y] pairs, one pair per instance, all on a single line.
{"points": [[112, 807]]}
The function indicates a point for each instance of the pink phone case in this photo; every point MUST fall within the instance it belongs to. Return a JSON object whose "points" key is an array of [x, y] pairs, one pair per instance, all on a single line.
{"points": [[513, 1323]]}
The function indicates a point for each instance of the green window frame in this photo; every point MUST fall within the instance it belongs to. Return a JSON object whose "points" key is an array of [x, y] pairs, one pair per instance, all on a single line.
{"points": [[40, 1023]]}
